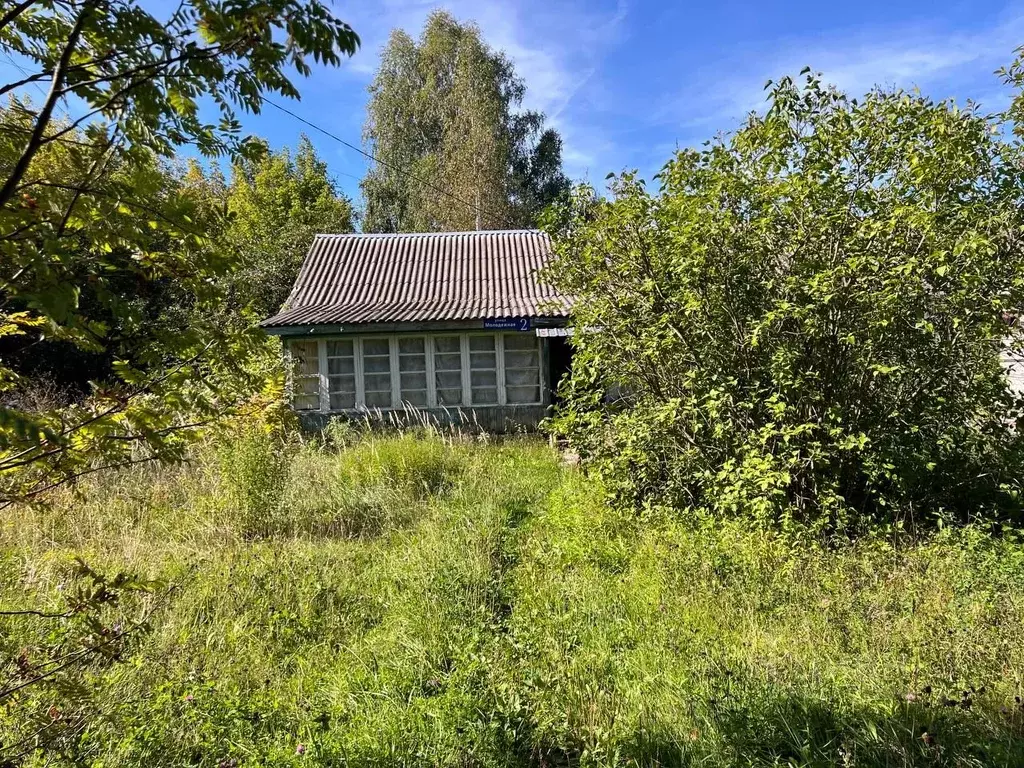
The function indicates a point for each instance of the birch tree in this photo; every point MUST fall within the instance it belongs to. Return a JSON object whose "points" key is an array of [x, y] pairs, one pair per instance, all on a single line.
{"points": [[455, 151]]}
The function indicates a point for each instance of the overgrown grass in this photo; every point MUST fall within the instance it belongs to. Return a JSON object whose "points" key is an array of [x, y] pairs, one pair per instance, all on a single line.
{"points": [[419, 600]]}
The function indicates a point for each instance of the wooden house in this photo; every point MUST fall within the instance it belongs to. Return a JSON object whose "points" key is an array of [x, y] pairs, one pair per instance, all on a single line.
{"points": [[453, 325]]}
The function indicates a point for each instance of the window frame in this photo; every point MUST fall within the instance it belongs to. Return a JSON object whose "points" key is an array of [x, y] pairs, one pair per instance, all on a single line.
{"points": [[503, 382], [397, 403], [361, 372], [428, 368], [325, 383], [467, 369], [294, 377]]}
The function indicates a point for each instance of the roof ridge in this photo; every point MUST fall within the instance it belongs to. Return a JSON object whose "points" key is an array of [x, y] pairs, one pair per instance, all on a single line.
{"points": [[469, 233]]}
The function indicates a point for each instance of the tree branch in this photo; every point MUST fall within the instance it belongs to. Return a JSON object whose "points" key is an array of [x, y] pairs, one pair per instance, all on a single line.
{"points": [[43, 120], [65, 480], [15, 12], [40, 614], [24, 81]]}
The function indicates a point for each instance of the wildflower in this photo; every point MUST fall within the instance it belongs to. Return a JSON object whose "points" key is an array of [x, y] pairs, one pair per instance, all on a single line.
{"points": [[189, 698], [300, 750]]}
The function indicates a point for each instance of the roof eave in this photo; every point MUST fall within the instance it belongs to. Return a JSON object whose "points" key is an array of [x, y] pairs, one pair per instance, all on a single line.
{"points": [[411, 326]]}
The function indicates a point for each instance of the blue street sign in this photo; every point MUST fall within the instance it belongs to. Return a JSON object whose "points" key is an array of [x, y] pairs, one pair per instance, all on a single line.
{"points": [[508, 323]]}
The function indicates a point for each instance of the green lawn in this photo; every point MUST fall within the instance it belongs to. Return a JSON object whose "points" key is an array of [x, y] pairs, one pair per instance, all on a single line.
{"points": [[421, 601]]}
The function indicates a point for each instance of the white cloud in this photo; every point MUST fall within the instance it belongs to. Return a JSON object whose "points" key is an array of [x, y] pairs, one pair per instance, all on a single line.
{"points": [[940, 64]]}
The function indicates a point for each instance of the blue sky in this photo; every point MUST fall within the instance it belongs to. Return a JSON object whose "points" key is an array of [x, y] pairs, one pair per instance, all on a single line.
{"points": [[627, 81]]}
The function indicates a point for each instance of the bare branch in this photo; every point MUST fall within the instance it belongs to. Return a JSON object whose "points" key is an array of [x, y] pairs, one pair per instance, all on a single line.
{"points": [[24, 81], [40, 614], [70, 478]]}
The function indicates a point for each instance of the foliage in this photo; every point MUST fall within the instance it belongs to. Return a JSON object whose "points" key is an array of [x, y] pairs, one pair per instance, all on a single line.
{"points": [[277, 204], [509, 616], [91, 226], [123, 299], [807, 322], [48, 680], [442, 119]]}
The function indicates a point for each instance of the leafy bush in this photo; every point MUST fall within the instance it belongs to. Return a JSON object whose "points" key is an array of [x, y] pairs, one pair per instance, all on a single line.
{"points": [[807, 322]]}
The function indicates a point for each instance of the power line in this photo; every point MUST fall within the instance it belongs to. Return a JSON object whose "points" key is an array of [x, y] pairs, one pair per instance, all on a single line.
{"points": [[401, 171]]}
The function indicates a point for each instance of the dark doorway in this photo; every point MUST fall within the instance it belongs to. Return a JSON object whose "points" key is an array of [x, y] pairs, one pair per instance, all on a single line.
{"points": [[559, 363]]}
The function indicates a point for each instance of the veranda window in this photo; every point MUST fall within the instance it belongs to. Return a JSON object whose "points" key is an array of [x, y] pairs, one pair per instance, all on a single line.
{"points": [[451, 370], [412, 368], [377, 373], [305, 356], [483, 370], [448, 369], [341, 374], [522, 369]]}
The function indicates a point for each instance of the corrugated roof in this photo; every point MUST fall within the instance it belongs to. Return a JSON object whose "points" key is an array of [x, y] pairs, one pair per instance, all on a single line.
{"points": [[422, 277]]}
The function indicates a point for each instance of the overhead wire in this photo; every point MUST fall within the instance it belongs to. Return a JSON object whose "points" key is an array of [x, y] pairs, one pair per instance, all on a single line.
{"points": [[490, 215], [401, 171]]}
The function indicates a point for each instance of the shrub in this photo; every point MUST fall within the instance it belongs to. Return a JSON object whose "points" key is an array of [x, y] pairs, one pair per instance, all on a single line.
{"points": [[253, 465], [807, 323]]}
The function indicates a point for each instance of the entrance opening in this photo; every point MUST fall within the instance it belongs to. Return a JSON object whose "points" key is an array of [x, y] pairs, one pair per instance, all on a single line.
{"points": [[559, 363]]}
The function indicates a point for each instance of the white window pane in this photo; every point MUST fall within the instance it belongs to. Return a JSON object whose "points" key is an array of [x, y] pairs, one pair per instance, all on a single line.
{"points": [[340, 365], [449, 396], [377, 382], [414, 345], [376, 364], [307, 385], [447, 344], [448, 362], [418, 399], [342, 400], [306, 402], [341, 384], [481, 343], [414, 381], [484, 360], [341, 348], [485, 395], [522, 377], [306, 357], [448, 379], [483, 378], [521, 359], [376, 347], [522, 394], [412, 363], [378, 399], [520, 341]]}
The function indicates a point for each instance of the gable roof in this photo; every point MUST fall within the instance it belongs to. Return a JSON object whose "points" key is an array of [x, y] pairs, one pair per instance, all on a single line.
{"points": [[422, 277]]}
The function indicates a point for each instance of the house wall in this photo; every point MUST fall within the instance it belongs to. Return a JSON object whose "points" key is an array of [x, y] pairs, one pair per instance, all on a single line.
{"points": [[495, 381]]}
